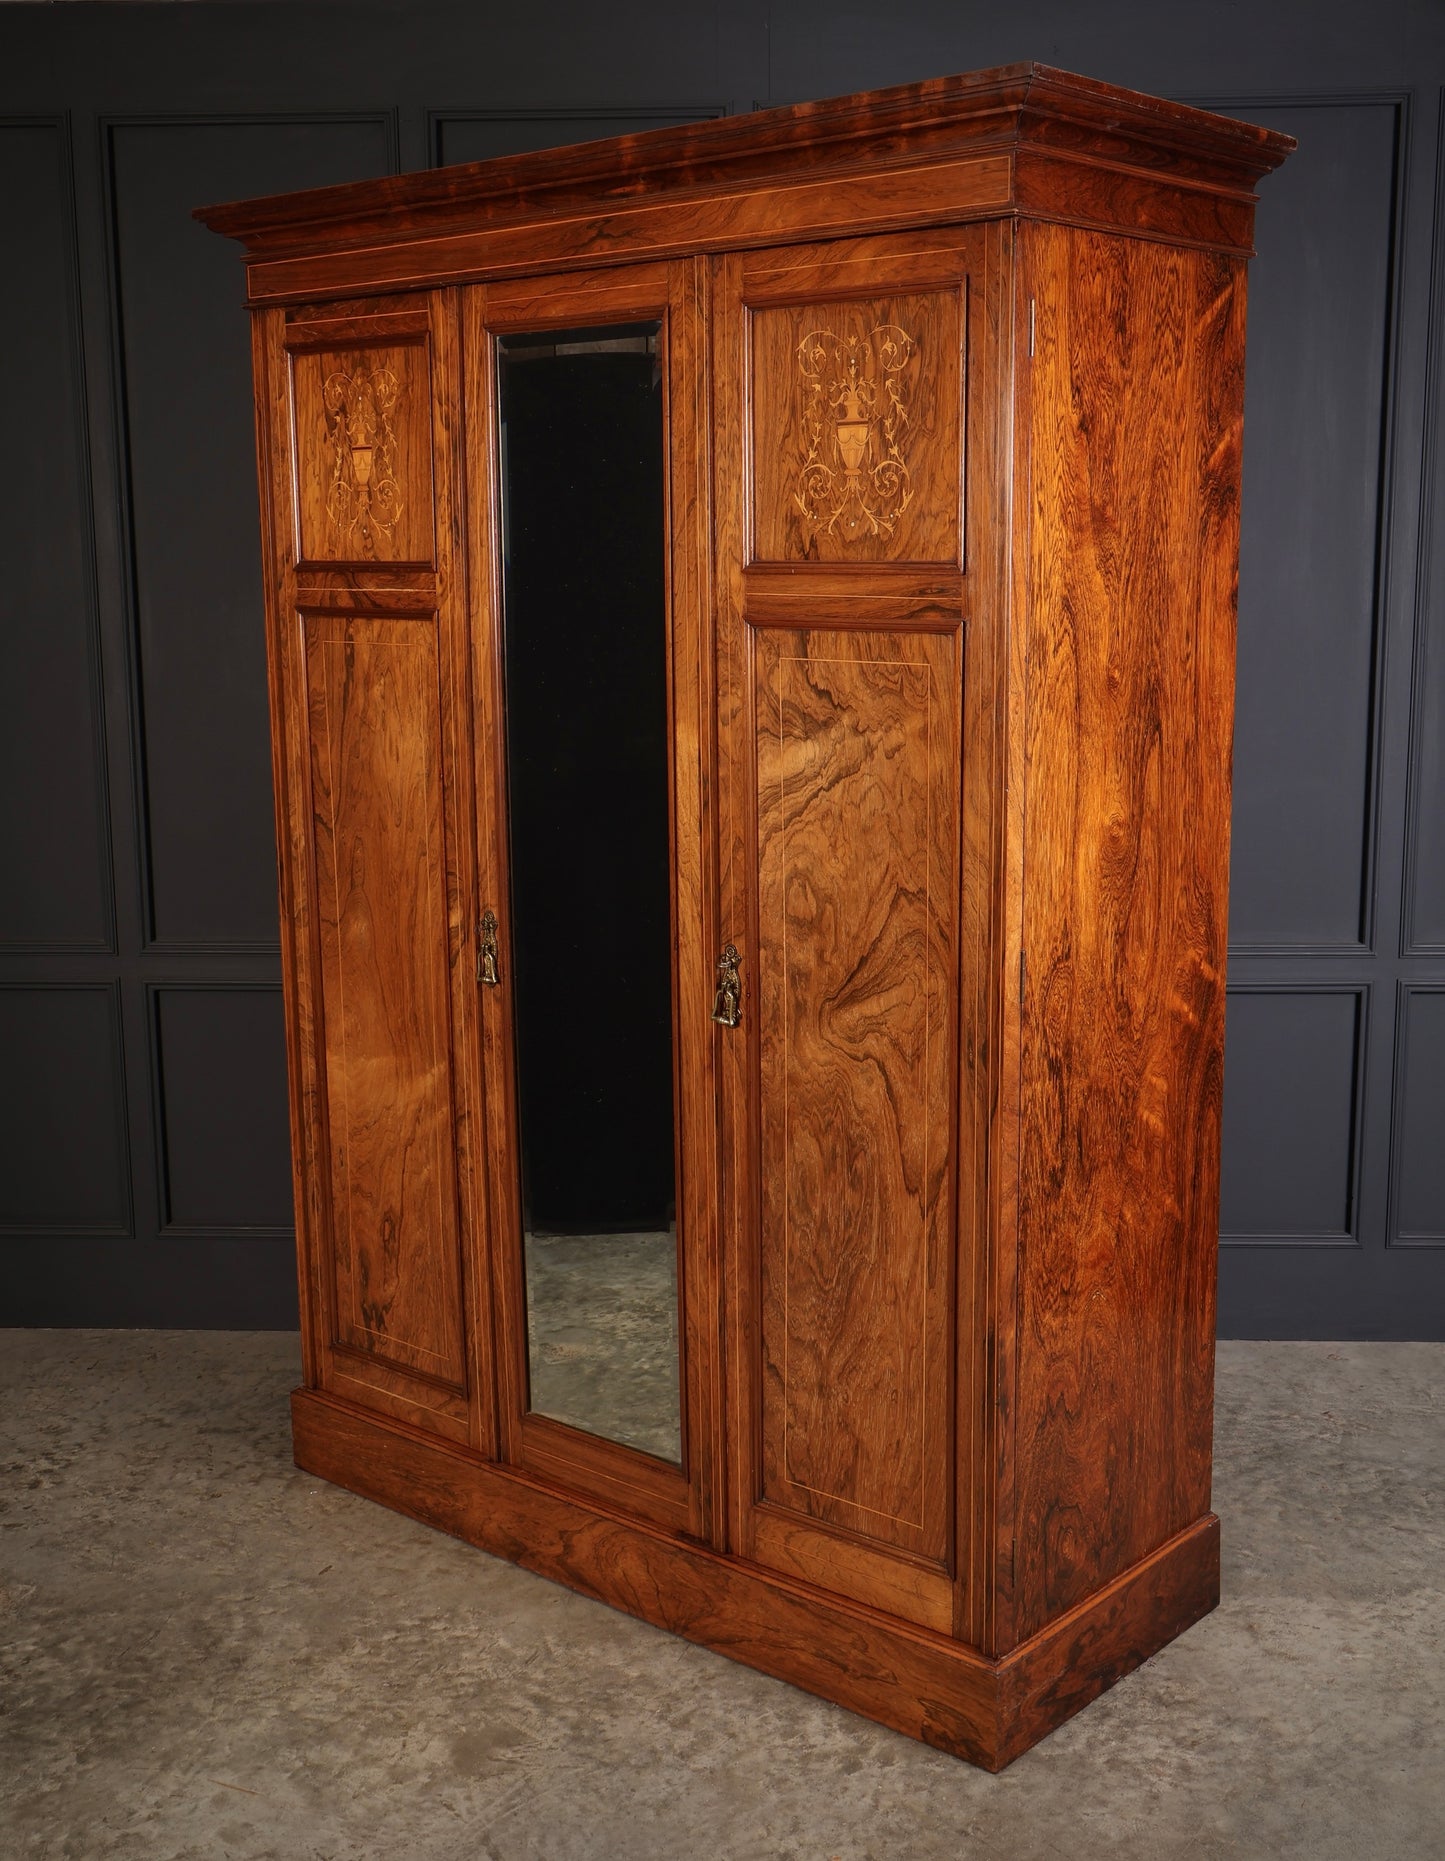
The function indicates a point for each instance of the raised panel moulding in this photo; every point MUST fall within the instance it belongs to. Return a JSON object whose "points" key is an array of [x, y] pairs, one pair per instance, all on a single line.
{"points": [[55, 847]]}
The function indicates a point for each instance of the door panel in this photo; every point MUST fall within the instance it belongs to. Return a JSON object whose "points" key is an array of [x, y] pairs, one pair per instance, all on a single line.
{"points": [[369, 664], [841, 670], [381, 907], [856, 431], [857, 769], [585, 460], [363, 440]]}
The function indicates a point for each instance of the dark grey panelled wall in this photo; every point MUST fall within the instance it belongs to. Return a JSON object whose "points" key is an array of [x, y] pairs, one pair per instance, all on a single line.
{"points": [[143, 1169]]}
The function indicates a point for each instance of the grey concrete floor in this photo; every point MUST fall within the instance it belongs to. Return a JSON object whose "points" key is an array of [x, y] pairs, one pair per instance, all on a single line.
{"points": [[204, 1653]]}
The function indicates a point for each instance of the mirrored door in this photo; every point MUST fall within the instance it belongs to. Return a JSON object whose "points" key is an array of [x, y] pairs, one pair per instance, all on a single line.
{"points": [[582, 495], [588, 957]]}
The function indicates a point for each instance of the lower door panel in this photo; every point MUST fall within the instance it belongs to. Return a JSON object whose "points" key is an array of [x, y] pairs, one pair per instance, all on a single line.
{"points": [[856, 770]]}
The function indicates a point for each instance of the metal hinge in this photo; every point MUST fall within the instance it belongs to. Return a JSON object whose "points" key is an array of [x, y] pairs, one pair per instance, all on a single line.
{"points": [[1032, 309]]}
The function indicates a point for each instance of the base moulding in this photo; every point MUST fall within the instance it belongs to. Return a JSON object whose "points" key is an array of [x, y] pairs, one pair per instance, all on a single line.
{"points": [[934, 1689]]}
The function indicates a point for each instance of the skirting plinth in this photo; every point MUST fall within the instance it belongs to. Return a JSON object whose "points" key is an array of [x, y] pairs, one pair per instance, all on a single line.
{"points": [[934, 1689]]}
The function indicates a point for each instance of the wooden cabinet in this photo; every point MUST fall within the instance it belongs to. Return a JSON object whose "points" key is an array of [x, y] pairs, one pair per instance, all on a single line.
{"points": [[751, 629]]}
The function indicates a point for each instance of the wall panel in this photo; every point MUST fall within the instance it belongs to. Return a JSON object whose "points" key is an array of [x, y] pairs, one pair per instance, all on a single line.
{"points": [[218, 1060], [1293, 1059], [1425, 848], [63, 1165], [1423, 915], [1320, 302], [1418, 1175], [54, 829]]}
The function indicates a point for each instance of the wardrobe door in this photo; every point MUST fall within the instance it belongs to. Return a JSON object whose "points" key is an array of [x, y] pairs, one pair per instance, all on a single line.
{"points": [[587, 515], [843, 379], [369, 670]]}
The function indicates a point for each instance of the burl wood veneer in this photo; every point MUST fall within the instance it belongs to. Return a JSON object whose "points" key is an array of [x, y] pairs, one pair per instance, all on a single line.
{"points": [[952, 382]]}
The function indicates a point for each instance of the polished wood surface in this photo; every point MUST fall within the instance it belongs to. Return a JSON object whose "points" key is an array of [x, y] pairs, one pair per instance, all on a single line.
{"points": [[363, 453], [1022, 139], [857, 775], [952, 379], [381, 909], [369, 667], [986, 1125], [1134, 438], [889, 368], [925, 1684], [670, 227], [841, 772]]}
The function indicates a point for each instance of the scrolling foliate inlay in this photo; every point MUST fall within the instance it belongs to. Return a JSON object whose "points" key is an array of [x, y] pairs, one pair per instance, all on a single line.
{"points": [[854, 480], [363, 495]]}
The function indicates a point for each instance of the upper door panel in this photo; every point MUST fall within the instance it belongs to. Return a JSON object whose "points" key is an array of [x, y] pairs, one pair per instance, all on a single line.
{"points": [[362, 406], [856, 428]]}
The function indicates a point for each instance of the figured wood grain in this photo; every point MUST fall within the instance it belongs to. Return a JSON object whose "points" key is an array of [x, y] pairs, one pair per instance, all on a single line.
{"points": [[290, 777], [714, 221], [1110, 196], [334, 325], [924, 1684], [1133, 484], [862, 724], [987, 1106], [692, 670], [903, 355], [457, 705], [363, 447], [381, 904], [1009, 109], [1055, 1674], [857, 783], [429, 594], [362, 1375], [833, 607], [736, 860]]}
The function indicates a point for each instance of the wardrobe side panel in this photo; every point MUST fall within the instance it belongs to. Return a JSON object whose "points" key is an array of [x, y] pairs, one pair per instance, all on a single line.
{"points": [[1131, 488]]}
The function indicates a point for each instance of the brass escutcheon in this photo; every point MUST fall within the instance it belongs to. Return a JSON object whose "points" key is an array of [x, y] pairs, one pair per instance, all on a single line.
{"points": [[728, 1002]]}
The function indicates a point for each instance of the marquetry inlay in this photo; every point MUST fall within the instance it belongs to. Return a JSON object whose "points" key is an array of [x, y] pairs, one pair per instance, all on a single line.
{"points": [[853, 479], [857, 421], [362, 493], [362, 416]]}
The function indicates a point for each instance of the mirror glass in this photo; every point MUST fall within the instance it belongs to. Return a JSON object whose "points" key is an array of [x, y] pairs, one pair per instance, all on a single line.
{"points": [[585, 608]]}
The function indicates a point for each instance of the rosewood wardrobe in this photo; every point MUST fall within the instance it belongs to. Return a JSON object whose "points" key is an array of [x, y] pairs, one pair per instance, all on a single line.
{"points": [[751, 635]]}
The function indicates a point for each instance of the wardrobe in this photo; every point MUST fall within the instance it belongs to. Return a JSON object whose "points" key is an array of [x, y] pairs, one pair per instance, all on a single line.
{"points": [[750, 615]]}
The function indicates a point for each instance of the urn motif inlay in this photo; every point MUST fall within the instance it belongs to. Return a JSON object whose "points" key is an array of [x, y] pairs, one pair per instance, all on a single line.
{"points": [[363, 494], [853, 480]]}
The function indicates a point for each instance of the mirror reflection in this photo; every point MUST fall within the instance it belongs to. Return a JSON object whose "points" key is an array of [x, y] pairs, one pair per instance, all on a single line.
{"points": [[584, 586]]}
